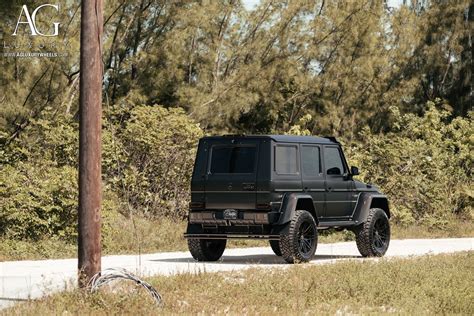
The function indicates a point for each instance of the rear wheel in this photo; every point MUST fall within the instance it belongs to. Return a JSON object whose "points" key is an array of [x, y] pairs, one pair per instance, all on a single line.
{"points": [[302, 239], [373, 237], [275, 244], [206, 249]]}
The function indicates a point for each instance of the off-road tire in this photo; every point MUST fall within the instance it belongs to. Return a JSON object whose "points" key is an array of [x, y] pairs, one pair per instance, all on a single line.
{"points": [[275, 244], [302, 239], [206, 249], [373, 237]]}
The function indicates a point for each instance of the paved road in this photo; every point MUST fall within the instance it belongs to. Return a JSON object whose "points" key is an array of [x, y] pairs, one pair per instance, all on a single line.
{"points": [[20, 280]]}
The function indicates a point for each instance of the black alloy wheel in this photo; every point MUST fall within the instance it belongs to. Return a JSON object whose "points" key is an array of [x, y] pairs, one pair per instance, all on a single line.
{"points": [[373, 236], [299, 245]]}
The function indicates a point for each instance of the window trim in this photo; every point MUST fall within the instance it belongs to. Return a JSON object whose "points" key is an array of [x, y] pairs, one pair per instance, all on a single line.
{"points": [[297, 160], [232, 146]]}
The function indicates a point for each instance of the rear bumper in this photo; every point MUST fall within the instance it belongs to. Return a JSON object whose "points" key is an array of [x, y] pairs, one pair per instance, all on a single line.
{"points": [[243, 218], [254, 227]]}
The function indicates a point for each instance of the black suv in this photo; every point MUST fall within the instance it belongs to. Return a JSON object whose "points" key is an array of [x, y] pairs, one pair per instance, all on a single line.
{"points": [[281, 188]]}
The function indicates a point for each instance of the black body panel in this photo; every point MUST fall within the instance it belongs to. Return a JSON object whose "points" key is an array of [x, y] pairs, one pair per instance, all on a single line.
{"points": [[250, 186]]}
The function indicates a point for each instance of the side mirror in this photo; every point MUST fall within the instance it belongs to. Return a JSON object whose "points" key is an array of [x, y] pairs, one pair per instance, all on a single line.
{"points": [[354, 171]]}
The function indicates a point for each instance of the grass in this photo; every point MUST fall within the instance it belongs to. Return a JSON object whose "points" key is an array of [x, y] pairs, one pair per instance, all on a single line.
{"points": [[457, 228], [140, 235], [121, 236], [440, 284]]}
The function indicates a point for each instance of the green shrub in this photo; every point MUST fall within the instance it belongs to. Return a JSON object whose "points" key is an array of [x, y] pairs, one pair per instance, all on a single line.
{"points": [[424, 165], [38, 182], [149, 153], [38, 200], [50, 138]]}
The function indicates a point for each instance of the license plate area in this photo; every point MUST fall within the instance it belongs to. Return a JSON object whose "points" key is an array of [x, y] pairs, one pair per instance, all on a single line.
{"points": [[230, 214]]}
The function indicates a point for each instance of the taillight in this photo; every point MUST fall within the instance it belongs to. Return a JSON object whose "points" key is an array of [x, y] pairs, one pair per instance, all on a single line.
{"points": [[264, 206], [197, 205]]}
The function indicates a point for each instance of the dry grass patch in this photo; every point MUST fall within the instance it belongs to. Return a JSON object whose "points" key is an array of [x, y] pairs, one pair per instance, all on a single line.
{"points": [[423, 285]]}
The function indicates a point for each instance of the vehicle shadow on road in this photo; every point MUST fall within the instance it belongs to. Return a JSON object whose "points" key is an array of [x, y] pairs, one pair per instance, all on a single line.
{"points": [[265, 259]]}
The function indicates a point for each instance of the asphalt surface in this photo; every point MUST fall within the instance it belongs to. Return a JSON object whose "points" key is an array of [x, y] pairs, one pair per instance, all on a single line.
{"points": [[23, 280]]}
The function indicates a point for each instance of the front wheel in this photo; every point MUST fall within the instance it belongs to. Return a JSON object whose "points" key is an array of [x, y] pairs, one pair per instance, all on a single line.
{"points": [[206, 249], [300, 243], [373, 237]]}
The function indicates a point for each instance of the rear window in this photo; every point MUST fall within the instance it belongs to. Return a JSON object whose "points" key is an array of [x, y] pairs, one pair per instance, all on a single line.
{"points": [[233, 159]]}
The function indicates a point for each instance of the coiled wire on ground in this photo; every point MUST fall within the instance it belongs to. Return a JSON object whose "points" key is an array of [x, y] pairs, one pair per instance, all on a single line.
{"points": [[111, 274]]}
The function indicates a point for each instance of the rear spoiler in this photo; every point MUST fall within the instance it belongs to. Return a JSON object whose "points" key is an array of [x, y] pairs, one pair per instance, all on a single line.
{"points": [[332, 138]]}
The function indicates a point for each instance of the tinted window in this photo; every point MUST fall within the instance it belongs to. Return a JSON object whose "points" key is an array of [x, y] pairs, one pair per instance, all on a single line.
{"points": [[235, 159], [310, 163], [286, 160], [333, 162]]}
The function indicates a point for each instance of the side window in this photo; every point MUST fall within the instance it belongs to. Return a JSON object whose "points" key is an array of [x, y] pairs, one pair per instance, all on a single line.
{"points": [[333, 161], [286, 159], [310, 161]]}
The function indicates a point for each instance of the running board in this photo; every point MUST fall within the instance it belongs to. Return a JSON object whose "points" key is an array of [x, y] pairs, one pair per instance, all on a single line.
{"points": [[324, 224], [230, 236]]}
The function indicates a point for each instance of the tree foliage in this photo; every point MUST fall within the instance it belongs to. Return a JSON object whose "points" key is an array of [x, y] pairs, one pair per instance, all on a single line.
{"points": [[393, 83], [343, 62]]}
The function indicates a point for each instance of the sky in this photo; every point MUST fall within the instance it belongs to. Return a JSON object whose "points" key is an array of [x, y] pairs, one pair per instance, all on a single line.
{"points": [[249, 4]]}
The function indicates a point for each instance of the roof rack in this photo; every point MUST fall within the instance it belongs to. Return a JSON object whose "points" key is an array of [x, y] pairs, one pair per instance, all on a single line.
{"points": [[233, 135]]}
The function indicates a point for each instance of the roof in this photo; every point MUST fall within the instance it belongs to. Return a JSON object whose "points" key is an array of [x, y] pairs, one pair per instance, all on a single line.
{"points": [[302, 139], [286, 138]]}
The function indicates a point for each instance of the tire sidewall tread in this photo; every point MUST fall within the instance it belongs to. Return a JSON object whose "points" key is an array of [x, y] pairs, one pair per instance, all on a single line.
{"points": [[289, 242], [364, 236], [200, 251]]}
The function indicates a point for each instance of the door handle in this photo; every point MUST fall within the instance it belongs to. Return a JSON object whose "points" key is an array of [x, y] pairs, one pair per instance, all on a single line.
{"points": [[329, 189]]}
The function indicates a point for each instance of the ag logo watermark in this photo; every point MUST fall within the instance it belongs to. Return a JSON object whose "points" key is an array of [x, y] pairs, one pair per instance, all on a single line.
{"points": [[35, 33], [31, 20]]}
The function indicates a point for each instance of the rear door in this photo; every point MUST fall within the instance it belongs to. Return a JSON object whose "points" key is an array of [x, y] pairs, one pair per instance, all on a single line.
{"points": [[312, 176], [231, 174]]}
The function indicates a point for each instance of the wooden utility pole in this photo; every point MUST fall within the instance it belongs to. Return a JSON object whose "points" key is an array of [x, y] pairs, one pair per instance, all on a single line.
{"points": [[90, 192]]}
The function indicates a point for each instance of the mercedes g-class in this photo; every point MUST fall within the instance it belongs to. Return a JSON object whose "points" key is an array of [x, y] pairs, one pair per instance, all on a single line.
{"points": [[284, 189]]}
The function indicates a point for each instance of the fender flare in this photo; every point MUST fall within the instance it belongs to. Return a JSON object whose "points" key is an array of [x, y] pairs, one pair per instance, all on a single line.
{"points": [[290, 203], [365, 202]]}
